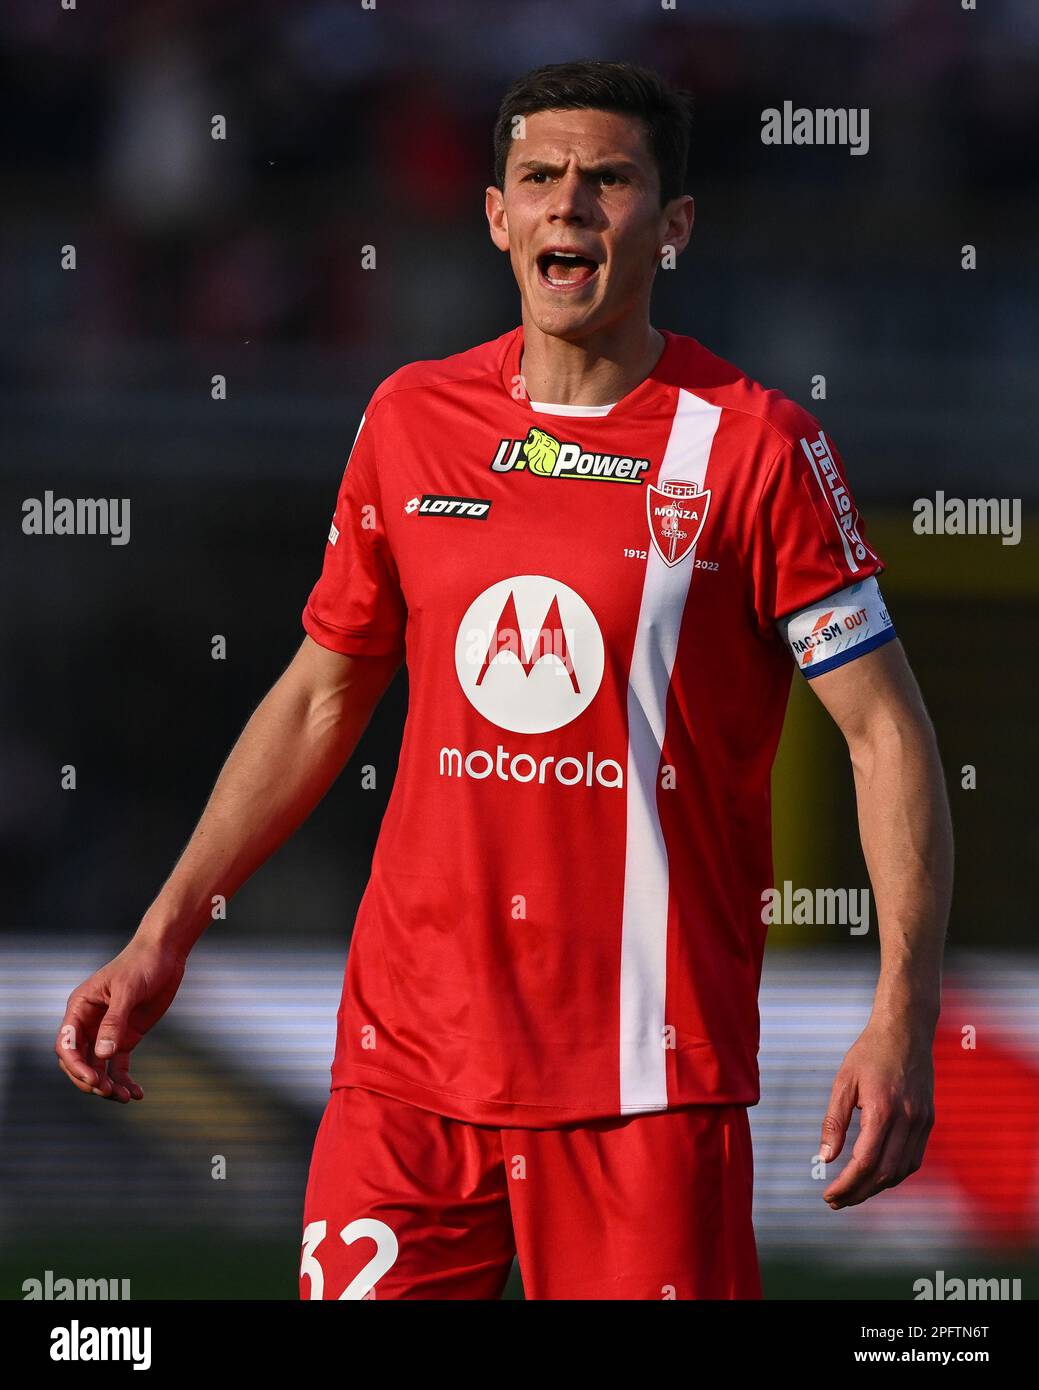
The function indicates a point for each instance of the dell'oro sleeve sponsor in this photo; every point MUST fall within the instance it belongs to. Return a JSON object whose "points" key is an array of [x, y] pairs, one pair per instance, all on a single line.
{"points": [[809, 538]]}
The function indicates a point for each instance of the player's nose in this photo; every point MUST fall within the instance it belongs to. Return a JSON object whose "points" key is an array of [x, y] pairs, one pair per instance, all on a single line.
{"points": [[571, 201]]}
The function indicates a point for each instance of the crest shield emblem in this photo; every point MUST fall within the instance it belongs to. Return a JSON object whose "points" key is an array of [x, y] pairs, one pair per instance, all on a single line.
{"points": [[677, 511]]}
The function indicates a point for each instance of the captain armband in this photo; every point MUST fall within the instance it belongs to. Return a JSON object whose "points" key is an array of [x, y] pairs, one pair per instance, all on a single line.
{"points": [[838, 628]]}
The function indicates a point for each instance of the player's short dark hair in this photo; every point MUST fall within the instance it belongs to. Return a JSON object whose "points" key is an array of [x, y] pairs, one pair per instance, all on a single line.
{"points": [[626, 88]]}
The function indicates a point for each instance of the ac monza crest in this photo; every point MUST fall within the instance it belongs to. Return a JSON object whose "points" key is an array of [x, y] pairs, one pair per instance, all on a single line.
{"points": [[677, 511]]}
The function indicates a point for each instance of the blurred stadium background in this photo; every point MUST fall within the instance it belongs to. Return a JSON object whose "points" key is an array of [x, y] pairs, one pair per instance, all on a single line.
{"points": [[348, 127]]}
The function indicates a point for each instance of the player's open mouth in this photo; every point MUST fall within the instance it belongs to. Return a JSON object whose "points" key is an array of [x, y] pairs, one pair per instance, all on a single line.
{"points": [[566, 270]]}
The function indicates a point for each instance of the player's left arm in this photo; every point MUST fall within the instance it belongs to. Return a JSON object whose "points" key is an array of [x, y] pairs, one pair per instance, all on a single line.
{"points": [[906, 834]]}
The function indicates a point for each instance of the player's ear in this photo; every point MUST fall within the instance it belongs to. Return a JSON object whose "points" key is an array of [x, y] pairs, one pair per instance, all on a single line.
{"points": [[677, 216], [494, 206]]}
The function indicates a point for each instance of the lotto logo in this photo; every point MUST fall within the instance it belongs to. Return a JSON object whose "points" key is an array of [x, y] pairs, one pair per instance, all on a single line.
{"points": [[433, 504]]}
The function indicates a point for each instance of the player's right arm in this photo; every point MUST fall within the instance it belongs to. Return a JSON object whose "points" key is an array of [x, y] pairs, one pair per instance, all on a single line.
{"points": [[286, 758]]}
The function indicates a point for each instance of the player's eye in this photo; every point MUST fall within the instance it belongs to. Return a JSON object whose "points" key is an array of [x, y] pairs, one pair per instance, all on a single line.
{"points": [[536, 176], [609, 179]]}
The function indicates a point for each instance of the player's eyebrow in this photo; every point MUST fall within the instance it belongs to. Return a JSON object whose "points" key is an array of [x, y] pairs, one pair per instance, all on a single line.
{"points": [[619, 165]]}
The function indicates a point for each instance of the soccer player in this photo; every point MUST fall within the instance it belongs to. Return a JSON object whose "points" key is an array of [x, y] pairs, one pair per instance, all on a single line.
{"points": [[602, 550]]}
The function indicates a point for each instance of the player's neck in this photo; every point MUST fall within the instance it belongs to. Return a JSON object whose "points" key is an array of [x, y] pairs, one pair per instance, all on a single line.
{"points": [[598, 370]]}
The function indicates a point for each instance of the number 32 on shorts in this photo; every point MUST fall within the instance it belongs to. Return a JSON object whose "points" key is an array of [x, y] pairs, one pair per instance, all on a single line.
{"points": [[365, 1280]]}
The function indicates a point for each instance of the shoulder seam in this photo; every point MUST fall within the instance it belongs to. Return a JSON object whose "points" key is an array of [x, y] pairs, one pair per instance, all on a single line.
{"points": [[431, 385], [751, 414]]}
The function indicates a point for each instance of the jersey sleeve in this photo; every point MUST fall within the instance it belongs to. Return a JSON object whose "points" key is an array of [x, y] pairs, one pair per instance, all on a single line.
{"points": [[356, 607], [810, 547]]}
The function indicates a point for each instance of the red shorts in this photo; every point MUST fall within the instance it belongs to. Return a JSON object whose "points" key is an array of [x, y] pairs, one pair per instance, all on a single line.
{"points": [[404, 1203]]}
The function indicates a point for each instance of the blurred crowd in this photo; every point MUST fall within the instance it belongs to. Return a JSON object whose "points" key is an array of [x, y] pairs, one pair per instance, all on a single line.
{"points": [[349, 126]]}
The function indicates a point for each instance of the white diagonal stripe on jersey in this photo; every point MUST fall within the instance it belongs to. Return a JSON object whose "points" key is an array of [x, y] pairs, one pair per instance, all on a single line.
{"points": [[643, 975]]}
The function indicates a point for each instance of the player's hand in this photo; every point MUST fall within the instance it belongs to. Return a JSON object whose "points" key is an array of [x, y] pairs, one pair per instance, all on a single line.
{"points": [[108, 1014], [889, 1075]]}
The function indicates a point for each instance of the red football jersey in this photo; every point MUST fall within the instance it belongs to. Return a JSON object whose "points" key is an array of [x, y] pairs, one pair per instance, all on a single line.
{"points": [[564, 914]]}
